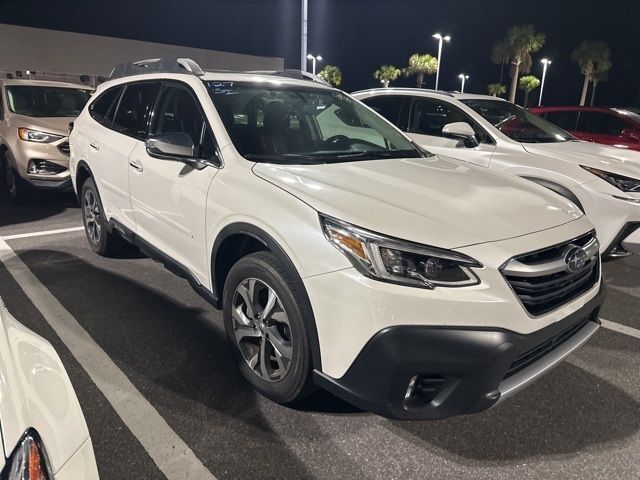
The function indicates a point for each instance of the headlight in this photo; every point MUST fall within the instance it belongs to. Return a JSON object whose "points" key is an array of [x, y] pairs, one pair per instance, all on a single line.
{"points": [[29, 135], [28, 461], [397, 261], [626, 184]]}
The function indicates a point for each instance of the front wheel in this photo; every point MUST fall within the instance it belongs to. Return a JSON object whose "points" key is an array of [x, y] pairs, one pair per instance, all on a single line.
{"points": [[264, 321], [12, 181]]}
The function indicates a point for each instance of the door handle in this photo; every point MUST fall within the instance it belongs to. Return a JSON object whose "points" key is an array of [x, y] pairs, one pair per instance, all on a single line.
{"points": [[94, 146], [136, 165]]}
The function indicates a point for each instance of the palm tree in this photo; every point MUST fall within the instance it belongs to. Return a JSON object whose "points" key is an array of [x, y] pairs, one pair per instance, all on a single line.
{"points": [[421, 65], [593, 58], [500, 56], [528, 83], [598, 77], [520, 43], [331, 74], [387, 74], [496, 89]]}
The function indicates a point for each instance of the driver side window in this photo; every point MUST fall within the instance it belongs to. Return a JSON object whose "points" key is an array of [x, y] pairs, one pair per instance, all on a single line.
{"points": [[177, 111], [429, 116]]}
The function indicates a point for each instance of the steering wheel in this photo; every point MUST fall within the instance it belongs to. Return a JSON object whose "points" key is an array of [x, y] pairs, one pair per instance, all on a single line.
{"points": [[336, 140]]}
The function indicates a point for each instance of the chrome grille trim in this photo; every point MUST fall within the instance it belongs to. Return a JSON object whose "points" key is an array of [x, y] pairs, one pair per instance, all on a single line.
{"points": [[542, 280]]}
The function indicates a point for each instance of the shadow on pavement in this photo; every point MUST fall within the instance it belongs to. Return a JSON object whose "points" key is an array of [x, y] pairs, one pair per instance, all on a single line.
{"points": [[567, 412], [40, 206], [177, 356]]}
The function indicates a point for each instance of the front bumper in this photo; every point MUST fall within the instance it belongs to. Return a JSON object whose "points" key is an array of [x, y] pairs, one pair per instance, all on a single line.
{"points": [[455, 370]]}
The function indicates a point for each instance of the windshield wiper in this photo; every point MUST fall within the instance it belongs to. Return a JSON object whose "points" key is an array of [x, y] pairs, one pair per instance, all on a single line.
{"points": [[373, 154]]}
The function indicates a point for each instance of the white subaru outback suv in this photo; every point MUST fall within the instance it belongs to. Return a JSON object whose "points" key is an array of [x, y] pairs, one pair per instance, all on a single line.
{"points": [[602, 181], [341, 254]]}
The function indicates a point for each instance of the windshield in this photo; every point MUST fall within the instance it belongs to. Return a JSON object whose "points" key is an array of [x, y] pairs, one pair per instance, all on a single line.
{"points": [[517, 123], [34, 101], [272, 122]]}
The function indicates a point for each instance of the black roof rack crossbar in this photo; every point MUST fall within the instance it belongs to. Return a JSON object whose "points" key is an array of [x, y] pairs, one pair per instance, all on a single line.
{"points": [[157, 65]]}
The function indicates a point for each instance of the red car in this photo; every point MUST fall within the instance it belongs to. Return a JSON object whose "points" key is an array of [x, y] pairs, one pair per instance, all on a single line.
{"points": [[612, 126]]}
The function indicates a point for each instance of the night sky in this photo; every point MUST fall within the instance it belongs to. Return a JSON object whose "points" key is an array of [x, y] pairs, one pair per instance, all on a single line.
{"points": [[359, 35]]}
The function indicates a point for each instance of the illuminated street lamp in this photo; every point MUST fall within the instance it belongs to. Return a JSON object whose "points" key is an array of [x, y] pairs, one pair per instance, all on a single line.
{"points": [[464, 78], [440, 39], [546, 62], [313, 62]]}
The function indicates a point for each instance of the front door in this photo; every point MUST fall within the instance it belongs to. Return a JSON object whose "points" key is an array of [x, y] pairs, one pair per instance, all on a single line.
{"points": [[169, 197]]}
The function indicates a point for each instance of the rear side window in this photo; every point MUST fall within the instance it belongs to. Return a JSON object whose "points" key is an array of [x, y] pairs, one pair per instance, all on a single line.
{"points": [[389, 106], [605, 124], [567, 120], [133, 109], [103, 108]]}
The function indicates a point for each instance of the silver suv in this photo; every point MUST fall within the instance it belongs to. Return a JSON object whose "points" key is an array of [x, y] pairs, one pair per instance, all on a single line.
{"points": [[34, 121]]}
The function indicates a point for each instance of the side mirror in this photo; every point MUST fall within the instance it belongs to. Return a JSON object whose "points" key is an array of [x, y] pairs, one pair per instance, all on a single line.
{"points": [[171, 146], [461, 131]]}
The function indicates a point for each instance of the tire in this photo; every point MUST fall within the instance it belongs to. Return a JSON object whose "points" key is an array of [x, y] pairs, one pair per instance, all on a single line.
{"points": [[13, 184], [96, 227], [282, 340]]}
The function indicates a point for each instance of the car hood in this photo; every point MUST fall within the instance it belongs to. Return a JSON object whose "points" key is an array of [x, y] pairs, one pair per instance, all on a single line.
{"points": [[610, 159], [56, 125], [434, 201], [35, 392]]}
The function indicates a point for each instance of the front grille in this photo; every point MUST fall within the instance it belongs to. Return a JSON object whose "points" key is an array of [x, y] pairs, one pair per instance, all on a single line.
{"points": [[533, 355], [542, 281], [64, 148]]}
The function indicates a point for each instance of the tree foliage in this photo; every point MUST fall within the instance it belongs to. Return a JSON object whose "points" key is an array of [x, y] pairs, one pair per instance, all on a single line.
{"points": [[528, 83], [594, 60], [331, 74], [518, 45], [387, 74], [421, 64], [496, 89]]}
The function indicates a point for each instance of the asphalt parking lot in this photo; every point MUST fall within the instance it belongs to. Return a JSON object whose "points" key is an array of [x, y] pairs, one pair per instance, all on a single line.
{"points": [[192, 407]]}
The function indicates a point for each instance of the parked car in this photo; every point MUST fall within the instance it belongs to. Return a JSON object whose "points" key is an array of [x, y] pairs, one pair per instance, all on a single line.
{"points": [[341, 253], [611, 126], [44, 434], [602, 181], [34, 123]]}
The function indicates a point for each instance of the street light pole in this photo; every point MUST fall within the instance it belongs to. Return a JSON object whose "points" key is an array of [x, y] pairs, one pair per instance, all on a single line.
{"points": [[303, 36], [463, 77], [546, 62], [440, 40], [313, 62]]}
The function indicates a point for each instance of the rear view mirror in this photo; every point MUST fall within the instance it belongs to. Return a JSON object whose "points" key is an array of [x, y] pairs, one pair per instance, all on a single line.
{"points": [[171, 146], [461, 131]]}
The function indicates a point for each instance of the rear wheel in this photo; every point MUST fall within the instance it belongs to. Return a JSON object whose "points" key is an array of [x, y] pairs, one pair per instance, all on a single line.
{"points": [[264, 321], [96, 227]]}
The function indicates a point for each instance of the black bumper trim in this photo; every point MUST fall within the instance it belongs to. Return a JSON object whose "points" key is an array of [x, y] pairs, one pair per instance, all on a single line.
{"points": [[51, 184], [472, 361]]}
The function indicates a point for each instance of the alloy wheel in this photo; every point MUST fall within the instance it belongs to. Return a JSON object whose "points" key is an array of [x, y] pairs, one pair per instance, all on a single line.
{"points": [[262, 330], [92, 216]]}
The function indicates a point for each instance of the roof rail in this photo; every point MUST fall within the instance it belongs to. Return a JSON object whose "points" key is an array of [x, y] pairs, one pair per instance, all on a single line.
{"points": [[157, 65], [292, 73], [406, 89]]}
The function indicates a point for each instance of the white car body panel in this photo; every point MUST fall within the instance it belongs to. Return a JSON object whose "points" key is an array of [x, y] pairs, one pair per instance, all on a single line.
{"points": [[35, 392], [435, 201], [555, 162]]}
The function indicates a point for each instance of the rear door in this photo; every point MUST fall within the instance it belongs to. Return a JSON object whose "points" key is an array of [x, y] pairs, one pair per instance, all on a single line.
{"points": [[169, 196]]}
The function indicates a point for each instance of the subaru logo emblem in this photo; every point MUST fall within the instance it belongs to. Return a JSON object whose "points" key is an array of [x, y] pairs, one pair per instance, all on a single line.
{"points": [[575, 258]]}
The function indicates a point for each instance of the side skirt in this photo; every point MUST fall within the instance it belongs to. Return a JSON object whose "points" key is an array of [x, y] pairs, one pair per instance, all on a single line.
{"points": [[169, 263]]}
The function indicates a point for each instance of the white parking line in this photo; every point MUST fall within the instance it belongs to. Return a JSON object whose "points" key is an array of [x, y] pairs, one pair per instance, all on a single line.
{"points": [[616, 327], [169, 452], [39, 234]]}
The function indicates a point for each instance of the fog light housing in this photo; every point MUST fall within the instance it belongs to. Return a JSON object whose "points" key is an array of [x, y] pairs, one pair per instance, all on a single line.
{"points": [[423, 389], [43, 167]]}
